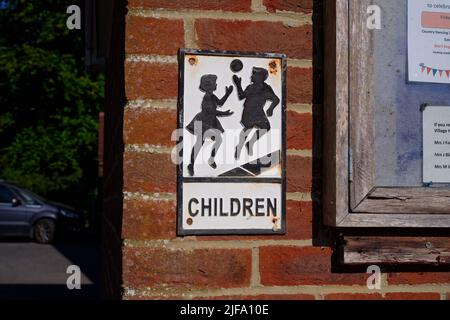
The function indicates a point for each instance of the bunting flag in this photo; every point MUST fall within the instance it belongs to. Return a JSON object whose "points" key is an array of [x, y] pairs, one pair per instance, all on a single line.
{"points": [[434, 71]]}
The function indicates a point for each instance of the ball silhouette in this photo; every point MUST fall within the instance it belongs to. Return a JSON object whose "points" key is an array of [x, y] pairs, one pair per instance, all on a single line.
{"points": [[236, 65]]}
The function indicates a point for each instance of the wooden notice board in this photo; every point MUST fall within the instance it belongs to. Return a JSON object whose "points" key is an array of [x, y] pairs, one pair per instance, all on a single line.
{"points": [[379, 124]]}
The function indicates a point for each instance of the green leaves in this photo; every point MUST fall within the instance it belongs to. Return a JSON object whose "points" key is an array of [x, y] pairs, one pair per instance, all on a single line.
{"points": [[47, 155], [48, 104]]}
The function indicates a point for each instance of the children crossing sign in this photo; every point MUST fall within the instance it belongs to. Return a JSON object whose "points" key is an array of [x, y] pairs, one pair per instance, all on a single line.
{"points": [[231, 122]]}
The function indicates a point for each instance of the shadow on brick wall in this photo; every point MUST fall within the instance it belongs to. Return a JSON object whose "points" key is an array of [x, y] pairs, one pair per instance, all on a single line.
{"points": [[322, 236], [115, 101]]}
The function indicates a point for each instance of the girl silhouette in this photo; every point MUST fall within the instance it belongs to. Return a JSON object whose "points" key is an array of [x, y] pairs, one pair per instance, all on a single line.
{"points": [[206, 123], [253, 116]]}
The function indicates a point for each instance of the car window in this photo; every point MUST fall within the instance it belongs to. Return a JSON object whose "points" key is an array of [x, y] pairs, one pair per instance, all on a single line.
{"points": [[27, 199], [6, 195], [30, 198]]}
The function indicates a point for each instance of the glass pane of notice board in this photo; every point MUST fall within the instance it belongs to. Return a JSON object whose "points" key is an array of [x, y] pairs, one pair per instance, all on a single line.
{"points": [[411, 88]]}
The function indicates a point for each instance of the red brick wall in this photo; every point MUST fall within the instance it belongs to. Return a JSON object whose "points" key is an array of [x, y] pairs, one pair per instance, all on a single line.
{"points": [[156, 264]]}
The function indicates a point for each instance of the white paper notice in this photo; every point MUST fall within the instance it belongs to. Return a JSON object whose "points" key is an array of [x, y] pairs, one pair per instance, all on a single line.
{"points": [[429, 41], [436, 145]]}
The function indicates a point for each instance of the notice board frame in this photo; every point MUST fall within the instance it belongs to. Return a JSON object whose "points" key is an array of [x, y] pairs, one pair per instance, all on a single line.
{"points": [[351, 197]]}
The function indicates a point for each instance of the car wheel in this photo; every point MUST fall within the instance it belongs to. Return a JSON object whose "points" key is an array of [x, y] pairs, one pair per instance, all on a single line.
{"points": [[44, 231]]}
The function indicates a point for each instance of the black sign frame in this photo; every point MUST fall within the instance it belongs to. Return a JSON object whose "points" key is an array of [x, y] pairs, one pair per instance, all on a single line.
{"points": [[180, 122]]}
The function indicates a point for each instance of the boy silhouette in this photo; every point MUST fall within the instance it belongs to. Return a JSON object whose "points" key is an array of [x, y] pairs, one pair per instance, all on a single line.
{"points": [[206, 123], [253, 116]]}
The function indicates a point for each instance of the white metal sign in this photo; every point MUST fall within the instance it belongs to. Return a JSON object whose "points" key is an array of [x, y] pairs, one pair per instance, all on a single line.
{"points": [[231, 175], [436, 145]]}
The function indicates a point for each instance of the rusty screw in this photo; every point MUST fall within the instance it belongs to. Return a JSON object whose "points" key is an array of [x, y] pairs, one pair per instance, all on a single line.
{"points": [[192, 61], [275, 227]]}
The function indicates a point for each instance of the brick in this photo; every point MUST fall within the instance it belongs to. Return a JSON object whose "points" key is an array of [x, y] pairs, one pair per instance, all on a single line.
{"points": [[353, 296], [412, 278], [149, 126], [155, 297], [413, 296], [300, 85], [145, 80], [153, 36], [144, 298], [260, 36], [149, 220], [298, 174], [222, 5], [299, 225], [202, 268], [146, 172], [302, 6], [288, 266], [299, 131], [299, 220], [387, 296], [264, 297]]}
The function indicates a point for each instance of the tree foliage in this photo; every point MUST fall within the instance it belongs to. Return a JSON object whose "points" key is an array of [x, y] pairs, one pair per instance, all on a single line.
{"points": [[49, 104]]}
